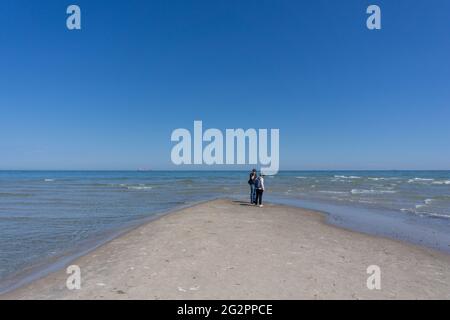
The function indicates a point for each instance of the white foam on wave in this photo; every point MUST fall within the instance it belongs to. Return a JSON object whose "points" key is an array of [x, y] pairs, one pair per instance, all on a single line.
{"points": [[366, 201], [139, 187], [381, 178], [441, 182], [420, 180], [423, 213], [371, 191], [439, 215], [348, 177], [333, 192], [301, 177], [49, 180]]}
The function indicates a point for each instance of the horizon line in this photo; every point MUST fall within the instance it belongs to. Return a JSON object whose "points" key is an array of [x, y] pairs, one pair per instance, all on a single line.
{"points": [[208, 170]]}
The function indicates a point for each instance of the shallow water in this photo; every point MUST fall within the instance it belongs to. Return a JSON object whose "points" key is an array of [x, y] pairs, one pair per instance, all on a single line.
{"points": [[48, 214]]}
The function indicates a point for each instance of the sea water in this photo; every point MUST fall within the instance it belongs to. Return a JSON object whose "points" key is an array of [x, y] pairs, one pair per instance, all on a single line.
{"points": [[47, 216]]}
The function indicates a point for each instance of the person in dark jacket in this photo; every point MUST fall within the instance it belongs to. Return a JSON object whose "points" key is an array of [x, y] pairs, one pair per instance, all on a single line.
{"points": [[251, 182]]}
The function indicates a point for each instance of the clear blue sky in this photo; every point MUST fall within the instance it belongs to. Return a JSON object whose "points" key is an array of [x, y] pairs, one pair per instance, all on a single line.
{"points": [[109, 96]]}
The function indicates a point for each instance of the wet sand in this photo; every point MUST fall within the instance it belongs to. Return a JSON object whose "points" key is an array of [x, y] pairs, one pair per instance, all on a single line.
{"points": [[230, 250]]}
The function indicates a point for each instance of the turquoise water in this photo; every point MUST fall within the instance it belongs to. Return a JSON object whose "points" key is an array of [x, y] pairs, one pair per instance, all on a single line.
{"points": [[47, 215]]}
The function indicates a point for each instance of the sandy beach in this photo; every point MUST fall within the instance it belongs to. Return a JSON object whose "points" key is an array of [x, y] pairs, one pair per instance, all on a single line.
{"points": [[227, 249]]}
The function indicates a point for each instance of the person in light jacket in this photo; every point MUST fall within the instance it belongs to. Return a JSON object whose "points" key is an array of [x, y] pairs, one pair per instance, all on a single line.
{"points": [[259, 186]]}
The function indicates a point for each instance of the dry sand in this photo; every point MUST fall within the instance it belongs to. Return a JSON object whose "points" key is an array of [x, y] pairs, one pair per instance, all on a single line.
{"points": [[230, 250]]}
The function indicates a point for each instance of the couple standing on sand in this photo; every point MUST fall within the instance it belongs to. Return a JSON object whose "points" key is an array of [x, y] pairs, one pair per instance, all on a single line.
{"points": [[256, 188]]}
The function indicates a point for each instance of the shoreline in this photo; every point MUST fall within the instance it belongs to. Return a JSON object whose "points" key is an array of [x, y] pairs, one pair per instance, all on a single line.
{"points": [[42, 269], [52, 286], [378, 223]]}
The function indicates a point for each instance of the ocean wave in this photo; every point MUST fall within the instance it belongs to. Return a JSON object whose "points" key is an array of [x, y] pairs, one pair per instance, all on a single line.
{"points": [[139, 187], [441, 182], [366, 201], [129, 186], [420, 180], [437, 215], [371, 191], [49, 180], [348, 177], [424, 213], [301, 177], [333, 192]]}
